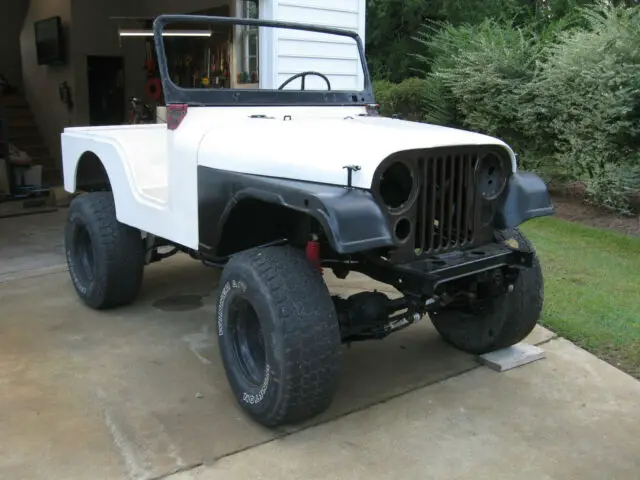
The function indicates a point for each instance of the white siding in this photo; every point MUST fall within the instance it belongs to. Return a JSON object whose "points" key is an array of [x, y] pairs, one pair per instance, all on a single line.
{"points": [[334, 56]]}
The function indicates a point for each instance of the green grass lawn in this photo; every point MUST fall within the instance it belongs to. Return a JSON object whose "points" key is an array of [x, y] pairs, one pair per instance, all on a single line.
{"points": [[592, 288]]}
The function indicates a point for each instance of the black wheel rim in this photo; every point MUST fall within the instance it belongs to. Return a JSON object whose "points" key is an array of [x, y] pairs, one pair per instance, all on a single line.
{"points": [[83, 253], [247, 341]]}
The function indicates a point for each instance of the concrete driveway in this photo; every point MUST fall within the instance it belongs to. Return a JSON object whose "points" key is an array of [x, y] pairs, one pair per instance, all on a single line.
{"points": [[139, 393]]}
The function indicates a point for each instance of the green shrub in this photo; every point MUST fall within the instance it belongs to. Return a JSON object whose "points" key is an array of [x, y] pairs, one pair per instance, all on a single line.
{"points": [[613, 185], [439, 104], [563, 90], [393, 24], [382, 90], [588, 91], [406, 99], [480, 73]]}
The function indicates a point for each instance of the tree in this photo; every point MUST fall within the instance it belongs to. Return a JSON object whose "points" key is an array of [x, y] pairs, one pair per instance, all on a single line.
{"points": [[392, 25]]}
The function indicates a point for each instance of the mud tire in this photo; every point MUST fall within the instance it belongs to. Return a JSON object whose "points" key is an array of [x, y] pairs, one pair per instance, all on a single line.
{"points": [[278, 336], [509, 318], [105, 257]]}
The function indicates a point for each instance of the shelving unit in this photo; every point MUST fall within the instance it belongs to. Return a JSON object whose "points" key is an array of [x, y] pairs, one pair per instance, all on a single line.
{"points": [[21, 199]]}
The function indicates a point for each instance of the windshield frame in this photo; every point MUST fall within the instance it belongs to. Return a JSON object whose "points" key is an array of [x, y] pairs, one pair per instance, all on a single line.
{"points": [[174, 94]]}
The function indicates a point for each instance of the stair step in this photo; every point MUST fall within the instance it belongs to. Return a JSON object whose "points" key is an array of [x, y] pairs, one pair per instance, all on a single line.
{"points": [[22, 122], [24, 141], [13, 101], [18, 113], [34, 150], [24, 132]]}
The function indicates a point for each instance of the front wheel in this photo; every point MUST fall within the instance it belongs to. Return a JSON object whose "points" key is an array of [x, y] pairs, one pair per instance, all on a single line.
{"points": [[278, 335], [507, 319]]}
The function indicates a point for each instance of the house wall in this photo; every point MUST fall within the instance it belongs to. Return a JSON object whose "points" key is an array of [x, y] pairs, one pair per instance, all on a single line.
{"points": [[336, 57], [11, 18], [41, 82]]}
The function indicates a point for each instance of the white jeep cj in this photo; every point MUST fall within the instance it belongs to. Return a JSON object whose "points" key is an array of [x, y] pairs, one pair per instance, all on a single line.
{"points": [[275, 185]]}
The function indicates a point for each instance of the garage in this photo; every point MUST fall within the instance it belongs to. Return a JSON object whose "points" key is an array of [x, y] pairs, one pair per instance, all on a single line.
{"points": [[71, 63]]}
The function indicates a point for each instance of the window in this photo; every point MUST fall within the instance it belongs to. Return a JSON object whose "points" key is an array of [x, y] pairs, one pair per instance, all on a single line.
{"points": [[248, 40]]}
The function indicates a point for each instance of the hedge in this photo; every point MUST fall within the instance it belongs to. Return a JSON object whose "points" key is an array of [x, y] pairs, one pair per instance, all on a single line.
{"points": [[566, 96], [406, 99]]}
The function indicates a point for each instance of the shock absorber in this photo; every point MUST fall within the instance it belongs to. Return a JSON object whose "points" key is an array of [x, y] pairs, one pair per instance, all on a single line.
{"points": [[313, 252]]}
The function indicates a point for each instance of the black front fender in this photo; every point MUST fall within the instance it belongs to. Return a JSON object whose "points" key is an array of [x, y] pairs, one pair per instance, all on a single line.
{"points": [[526, 198], [350, 218]]}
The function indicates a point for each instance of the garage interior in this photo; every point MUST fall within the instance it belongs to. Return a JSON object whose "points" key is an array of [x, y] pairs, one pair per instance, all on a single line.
{"points": [[112, 83]]}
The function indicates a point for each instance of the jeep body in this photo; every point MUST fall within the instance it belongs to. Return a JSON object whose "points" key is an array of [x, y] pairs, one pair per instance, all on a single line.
{"points": [[420, 207]]}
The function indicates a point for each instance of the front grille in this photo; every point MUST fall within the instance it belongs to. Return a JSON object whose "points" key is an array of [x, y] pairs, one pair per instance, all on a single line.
{"points": [[447, 215]]}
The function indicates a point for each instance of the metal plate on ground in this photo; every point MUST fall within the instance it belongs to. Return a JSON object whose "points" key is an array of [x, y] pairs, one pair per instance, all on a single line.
{"points": [[512, 357]]}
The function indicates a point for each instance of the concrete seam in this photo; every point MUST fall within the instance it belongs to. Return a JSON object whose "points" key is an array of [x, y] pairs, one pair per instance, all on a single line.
{"points": [[286, 434], [555, 336], [17, 275], [187, 468], [365, 407]]}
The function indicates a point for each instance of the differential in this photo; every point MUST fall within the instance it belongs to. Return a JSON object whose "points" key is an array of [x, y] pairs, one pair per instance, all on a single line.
{"points": [[373, 315]]}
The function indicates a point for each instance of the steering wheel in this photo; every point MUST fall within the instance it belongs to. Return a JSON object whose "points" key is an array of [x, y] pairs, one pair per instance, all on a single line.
{"points": [[303, 75]]}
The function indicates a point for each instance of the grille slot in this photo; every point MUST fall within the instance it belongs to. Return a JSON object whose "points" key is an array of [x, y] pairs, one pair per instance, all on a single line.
{"points": [[447, 216]]}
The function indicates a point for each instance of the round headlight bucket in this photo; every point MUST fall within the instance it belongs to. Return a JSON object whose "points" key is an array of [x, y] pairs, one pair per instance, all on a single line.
{"points": [[398, 187], [492, 176]]}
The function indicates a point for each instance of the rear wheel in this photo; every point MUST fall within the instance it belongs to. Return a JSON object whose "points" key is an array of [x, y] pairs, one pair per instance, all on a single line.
{"points": [[105, 257], [505, 320], [278, 335]]}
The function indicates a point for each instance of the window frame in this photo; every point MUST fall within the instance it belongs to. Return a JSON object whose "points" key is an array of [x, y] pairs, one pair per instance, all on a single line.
{"points": [[244, 56], [252, 97]]}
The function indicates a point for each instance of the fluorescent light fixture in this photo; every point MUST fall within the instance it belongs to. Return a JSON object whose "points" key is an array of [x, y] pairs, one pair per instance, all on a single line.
{"points": [[166, 33]]}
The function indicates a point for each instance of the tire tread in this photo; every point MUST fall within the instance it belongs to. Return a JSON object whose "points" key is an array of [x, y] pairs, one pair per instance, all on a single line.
{"points": [[309, 325], [519, 311], [119, 247]]}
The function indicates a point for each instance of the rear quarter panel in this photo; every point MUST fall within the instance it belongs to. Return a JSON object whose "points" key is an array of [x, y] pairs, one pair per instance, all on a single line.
{"points": [[131, 208]]}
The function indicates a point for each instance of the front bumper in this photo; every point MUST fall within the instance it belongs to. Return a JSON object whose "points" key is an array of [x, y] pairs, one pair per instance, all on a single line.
{"points": [[422, 277]]}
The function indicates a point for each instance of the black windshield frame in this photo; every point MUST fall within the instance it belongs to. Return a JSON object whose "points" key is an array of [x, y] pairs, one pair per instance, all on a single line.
{"points": [[174, 94]]}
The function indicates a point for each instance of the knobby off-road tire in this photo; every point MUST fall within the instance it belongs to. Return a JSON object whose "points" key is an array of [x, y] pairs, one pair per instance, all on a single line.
{"points": [[508, 319], [278, 335], [105, 257]]}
